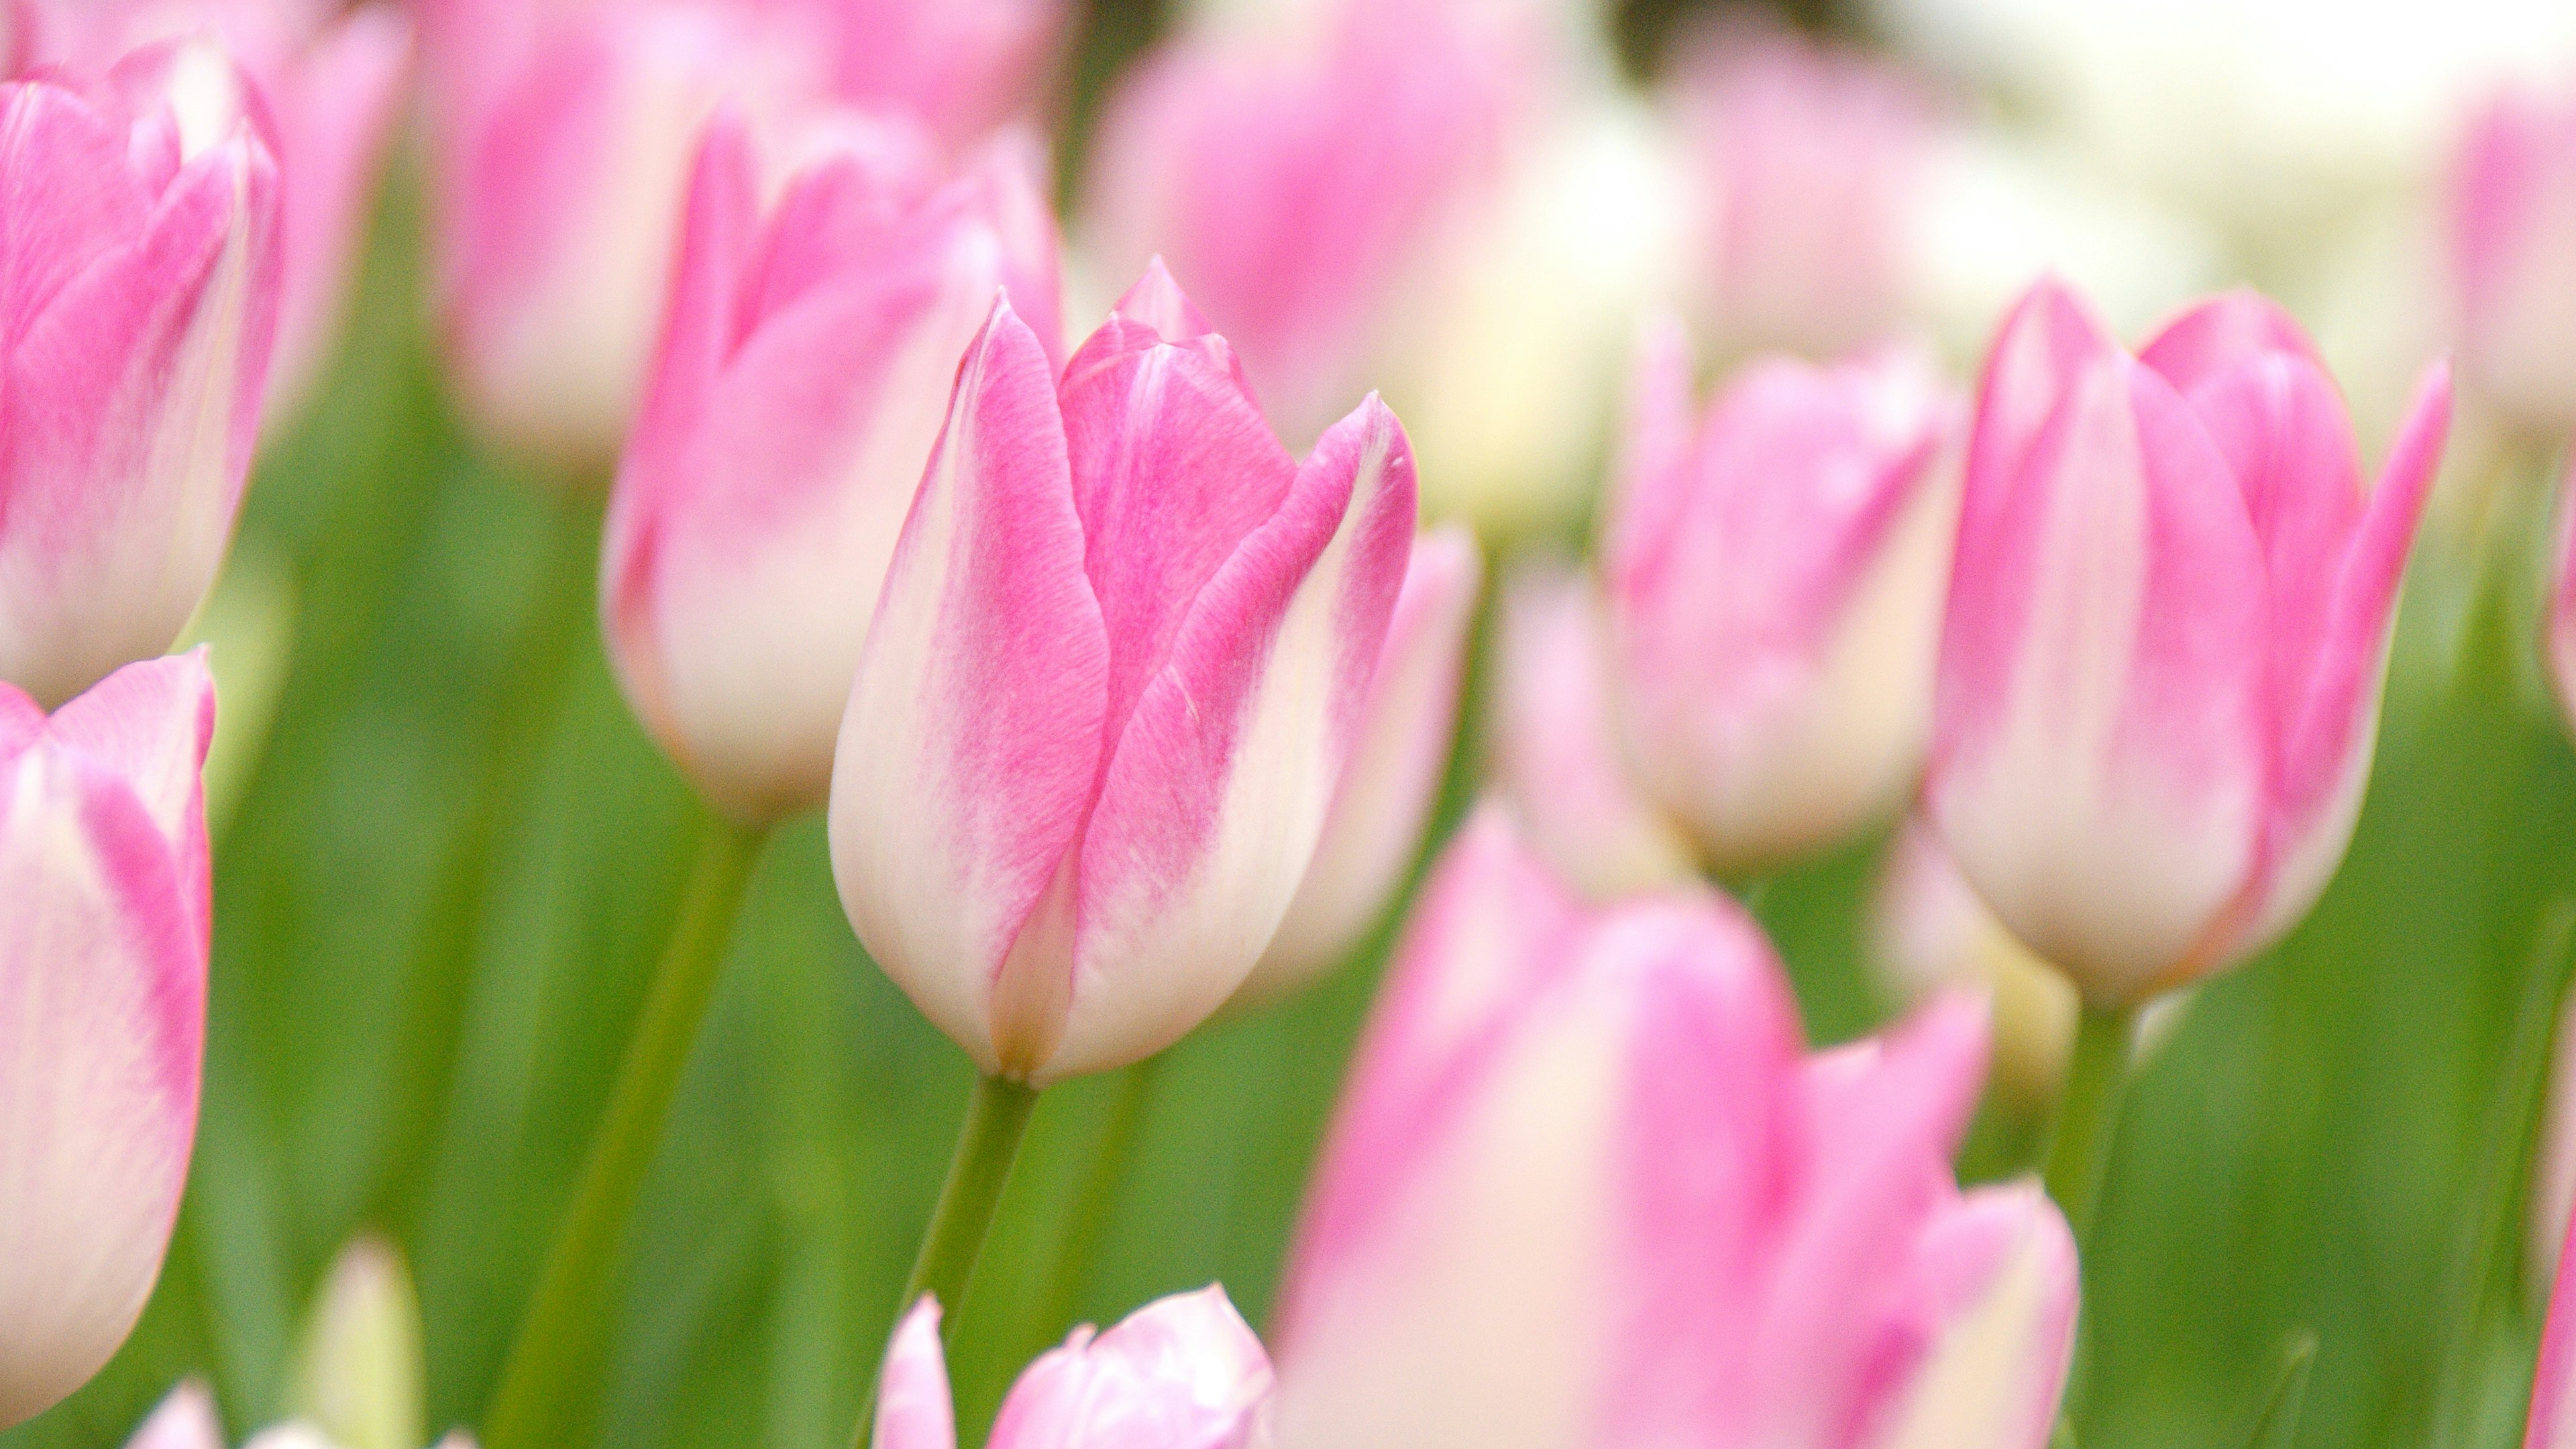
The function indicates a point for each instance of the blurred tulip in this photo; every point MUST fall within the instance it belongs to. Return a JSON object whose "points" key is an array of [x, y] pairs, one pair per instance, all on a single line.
{"points": [[144, 305], [2552, 1424], [964, 66], [2167, 629], [1584, 1188], [562, 135], [2513, 256], [103, 864], [186, 1420], [803, 374], [1106, 700], [1183, 1372], [358, 1375], [1774, 577], [1295, 172], [1507, 354], [332, 82], [1556, 755], [1393, 777], [1809, 162], [1930, 936]]}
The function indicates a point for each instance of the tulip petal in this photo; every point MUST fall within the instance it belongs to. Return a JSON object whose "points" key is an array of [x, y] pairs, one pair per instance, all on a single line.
{"points": [[1388, 787], [2100, 770], [150, 724], [2223, 335], [185, 1420], [1997, 1272], [913, 1407], [102, 1007], [1217, 788], [68, 193], [1183, 1372], [2552, 1424], [968, 753]]}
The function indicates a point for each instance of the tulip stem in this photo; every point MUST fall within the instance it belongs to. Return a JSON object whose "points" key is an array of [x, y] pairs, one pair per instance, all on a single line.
{"points": [[997, 1118], [2088, 1116], [555, 1362]]}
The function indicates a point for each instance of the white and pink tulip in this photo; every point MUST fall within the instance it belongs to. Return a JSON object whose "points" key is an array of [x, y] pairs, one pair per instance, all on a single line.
{"points": [[2513, 232], [2167, 630], [1103, 710]]}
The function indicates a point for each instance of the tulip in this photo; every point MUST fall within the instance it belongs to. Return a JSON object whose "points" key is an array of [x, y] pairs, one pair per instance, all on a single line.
{"points": [[2552, 1424], [2168, 625], [1809, 161], [2513, 231], [145, 304], [965, 66], [103, 864], [332, 83], [1585, 1188], [563, 135], [1557, 762], [1774, 582], [1109, 690], [1183, 1372], [1299, 179], [784, 433], [358, 1375], [1394, 773]]}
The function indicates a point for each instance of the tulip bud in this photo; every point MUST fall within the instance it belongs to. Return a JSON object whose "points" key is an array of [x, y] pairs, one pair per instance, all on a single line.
{"points": [[1808, 161], [145, 305], [1585, 1188], [802, 377], [2513, 230], [1775, 581], [1393, 777], [1183, 1372], [2167, 630], [103, 865], [564, 142], [1107, 696], [1296, 174], [358, 1380], [1556, 756]]}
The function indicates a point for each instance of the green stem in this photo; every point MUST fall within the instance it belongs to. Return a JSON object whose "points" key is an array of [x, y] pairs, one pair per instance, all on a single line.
{"points": [[2088, 1116], [554, 1365], [1112, 1159], [441, 975], [997, 1118]]}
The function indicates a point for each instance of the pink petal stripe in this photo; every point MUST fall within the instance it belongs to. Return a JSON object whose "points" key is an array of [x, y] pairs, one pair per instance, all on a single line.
{"points": [[150, 724]]}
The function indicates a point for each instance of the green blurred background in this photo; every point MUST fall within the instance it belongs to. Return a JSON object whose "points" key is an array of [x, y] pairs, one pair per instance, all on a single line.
{"points": [[2310, 1150]]}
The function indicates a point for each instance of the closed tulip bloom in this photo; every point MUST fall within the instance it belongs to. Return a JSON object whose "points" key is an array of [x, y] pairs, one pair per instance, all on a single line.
{"points": [[1106, 700], [1393, 777], [139, 318], [1183, 1372], [1775, 577], [802, 378], [1809, 163], [2167, 631], [103, 946], [1556, 757], [1585, 1188], [2513, 232], [332, 82], [563, 139], [1298, 173]]}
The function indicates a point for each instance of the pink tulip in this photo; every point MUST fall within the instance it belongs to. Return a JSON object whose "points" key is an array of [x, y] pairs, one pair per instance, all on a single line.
{"points": [[1182, 1372], [802, 378], [1775, 578], [1810, 162], [2168, 626], [964, 66], [332, 82], [2513, 234], [1586, 1189], [103, 946], [2552, 1424], [1105, 702], [1557, 761], [563, 137], [142, 287], [1297, 180], [1393, 777]]}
